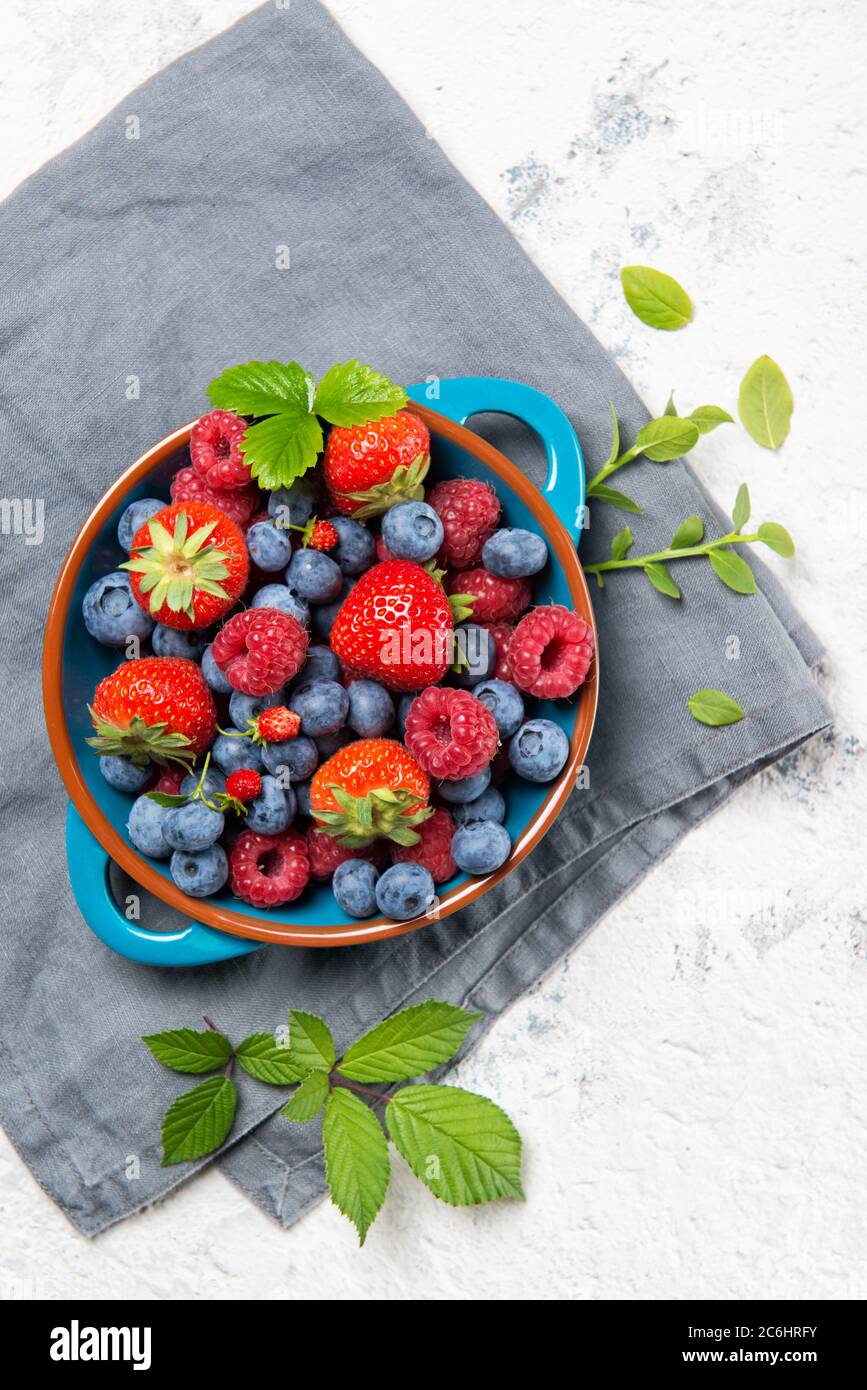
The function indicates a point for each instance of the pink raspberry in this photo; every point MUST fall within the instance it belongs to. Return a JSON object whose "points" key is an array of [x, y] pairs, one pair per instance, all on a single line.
{"points": [[434, 849], [260, 649], [382, 551], [502, 635], [267, 870], [238, 504], [450, 733], [496, 600], [215, 449], [469, 511], [550, 652], [325, 854]]}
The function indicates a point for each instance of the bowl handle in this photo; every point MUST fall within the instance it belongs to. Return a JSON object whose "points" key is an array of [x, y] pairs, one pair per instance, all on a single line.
{"points": [[459, 397], [194, 944]]}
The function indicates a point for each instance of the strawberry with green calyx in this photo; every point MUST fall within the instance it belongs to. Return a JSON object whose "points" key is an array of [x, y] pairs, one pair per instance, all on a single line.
{"points": [[375, 465], [370, 790], [460, 604], [154, 709], [242, 787], [274, 725], [189, 565], [317, 535]]}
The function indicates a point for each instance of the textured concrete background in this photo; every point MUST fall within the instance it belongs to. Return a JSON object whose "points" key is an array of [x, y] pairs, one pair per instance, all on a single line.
{"points": [[691, 1083]]}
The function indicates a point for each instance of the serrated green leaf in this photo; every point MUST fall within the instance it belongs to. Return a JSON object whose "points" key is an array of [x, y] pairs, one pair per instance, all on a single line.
{"points": [[308, 1100], [765, 403], [262, 1056], [689, 532], [665, 439], [621, 544], [198, 1121], [655, 298], [281, 448], [603, 493], [772, 534], [409, 1043], [356, 1159], [310, 1042], [661, 579], [351, 393], [670, 407], [714, 707], [263, 388], [461, 1146], [733, 570], [741, 509], [185, 1049], [709, 417]]}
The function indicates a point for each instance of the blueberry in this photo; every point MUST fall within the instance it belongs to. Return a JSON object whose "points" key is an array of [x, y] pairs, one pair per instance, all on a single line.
{"points": [[270, 547], [328, 744], [111, 614], [489, 806], [371, 709], [354, 887], [302, 797], [230, 754], [404, 891], [465, 788], [321, 664], [412, 531], [481, 846], [200, 874], [513, 554], [170, 641], [505, 703], [285, 599], [193, 826], [475, 654], [321, 705], [324, 615], [245, 707], [133, 517], [293, 505], [214, 782], [213, 675], [273, 810], [145, 826], [298, 755], [403, 709], [355, 550], [315, 576], [539, 750], [122, 774]]}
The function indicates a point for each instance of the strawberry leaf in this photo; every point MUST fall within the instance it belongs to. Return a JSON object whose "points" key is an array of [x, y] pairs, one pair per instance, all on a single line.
{"points": [[351, 393], [281, 448], [263, 388]]}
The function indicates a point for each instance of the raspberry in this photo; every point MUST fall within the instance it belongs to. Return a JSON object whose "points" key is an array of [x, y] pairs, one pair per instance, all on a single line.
{"points": [[267, 870], [238, 504], [496, 600], [215, 451], [382, 551], [325, 854], [170, 781], [469, 511], [434, 849], [260, 649], [278, 724], [260, 515], [450, 733], [244, 785], [550, 652], [502, 635]]}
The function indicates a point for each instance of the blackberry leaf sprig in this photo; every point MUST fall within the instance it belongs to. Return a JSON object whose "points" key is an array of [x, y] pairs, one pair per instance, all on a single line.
{"points": [[661, 440]]}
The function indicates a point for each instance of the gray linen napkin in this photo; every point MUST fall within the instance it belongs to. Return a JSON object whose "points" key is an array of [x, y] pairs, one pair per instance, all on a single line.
{"points": [[148, 251]]}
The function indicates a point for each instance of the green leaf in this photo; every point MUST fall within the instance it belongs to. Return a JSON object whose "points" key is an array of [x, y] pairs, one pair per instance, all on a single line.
{"points": [[308, 1100], [263, 388], [198, 1121], [351, 393], [709, 417], [670, 407], [409, 1043], [733, 570], [665, 439], [765, 403], [655, 298], [772, 534], [714, 707], [621, 544], [602, 493], [356, 1159], [661, 579], [462, 1146], [262, 1056], [741, 510], [310, 1042], [184, 1049], [689, 532], [168, 799], [281, 448], [615, 437]]}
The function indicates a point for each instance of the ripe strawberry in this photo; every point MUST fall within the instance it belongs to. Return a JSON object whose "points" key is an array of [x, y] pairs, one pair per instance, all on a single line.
{"points": [[319, 535], [325, 854], [369, 790], [244, 785], [451, 733], [156, 708], [550, 652], [188, 565], [370, 467], [278, 724], [395, 626], [495, 600], [434, 849], [260, 649], [238, 504], [215, 450], [469, 511]]}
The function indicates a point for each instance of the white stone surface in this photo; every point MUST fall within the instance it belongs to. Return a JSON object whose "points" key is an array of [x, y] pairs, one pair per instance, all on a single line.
{"points": [[690, 1083]]}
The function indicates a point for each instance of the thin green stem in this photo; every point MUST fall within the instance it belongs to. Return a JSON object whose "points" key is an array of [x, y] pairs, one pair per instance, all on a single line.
{"points": [[660, 556], [607, 469]]}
